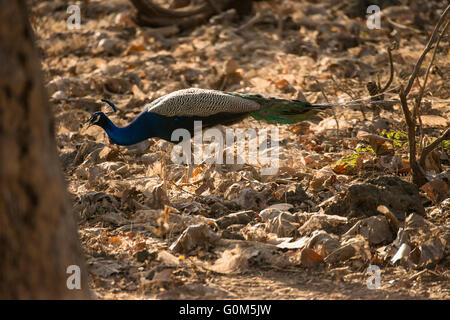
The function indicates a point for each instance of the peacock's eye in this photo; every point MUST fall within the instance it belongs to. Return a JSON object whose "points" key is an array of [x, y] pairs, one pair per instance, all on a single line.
{"points": [[96, 119]]}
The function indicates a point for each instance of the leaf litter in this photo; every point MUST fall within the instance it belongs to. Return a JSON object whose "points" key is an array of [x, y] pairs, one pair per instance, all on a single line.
{"points": [[341, 200]]}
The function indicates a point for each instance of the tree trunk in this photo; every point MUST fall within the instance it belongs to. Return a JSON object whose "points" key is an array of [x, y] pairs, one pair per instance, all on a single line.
{"points": [[38, 235]]}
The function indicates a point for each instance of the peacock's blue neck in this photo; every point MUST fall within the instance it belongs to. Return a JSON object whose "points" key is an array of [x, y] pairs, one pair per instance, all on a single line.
{"points": [[143, 127]]}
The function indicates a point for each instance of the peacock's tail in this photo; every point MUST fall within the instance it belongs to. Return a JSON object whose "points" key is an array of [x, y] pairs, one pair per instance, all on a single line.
{"points": [[275, 110]]}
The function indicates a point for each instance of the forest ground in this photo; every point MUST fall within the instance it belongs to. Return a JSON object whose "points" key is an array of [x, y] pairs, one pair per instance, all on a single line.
{"points": [[283, 236]]}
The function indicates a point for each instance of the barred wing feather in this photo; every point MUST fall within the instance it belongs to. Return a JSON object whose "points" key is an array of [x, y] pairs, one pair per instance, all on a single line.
{"points": [[200, 102]]}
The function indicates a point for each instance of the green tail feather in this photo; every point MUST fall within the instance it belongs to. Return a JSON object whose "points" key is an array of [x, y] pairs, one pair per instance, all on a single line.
{"points": [[282, 111]]}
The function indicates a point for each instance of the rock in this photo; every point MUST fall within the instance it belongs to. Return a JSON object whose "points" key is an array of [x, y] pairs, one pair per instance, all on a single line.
{"points": [[362, 199]]}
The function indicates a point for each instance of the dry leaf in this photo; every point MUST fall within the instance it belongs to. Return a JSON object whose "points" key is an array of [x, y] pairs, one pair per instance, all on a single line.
{"points": [[230, 66], [436, 190], [138, 93], [140, 246], [282, 84], [136, 48], [115, 241], [310, 258]]}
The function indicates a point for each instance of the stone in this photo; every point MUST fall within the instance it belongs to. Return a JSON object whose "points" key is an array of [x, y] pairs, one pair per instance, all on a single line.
{"points": [[362, 199]]}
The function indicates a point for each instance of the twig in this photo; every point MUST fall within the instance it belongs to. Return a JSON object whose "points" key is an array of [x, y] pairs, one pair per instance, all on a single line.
{"points": [[280, 26], [425, 51], [255, 19], [419, 177], [402, 27], [391, 77], [432, 146], [339, 86], [371, 97], [422, 88], [418, 172]]}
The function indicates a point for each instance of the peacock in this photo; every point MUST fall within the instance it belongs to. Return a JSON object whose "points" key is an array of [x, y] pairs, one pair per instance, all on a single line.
{"points": [[181, 108]]}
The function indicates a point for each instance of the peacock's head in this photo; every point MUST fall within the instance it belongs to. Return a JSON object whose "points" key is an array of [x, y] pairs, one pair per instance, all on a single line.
{"points": [[98, 118]]}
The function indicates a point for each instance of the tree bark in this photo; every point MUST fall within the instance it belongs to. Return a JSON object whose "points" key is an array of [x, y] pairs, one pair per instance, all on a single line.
{"points": [[38, 235]]}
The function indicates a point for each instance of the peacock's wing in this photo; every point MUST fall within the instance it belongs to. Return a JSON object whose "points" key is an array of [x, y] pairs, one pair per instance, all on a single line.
{"points": [[200, 102]]}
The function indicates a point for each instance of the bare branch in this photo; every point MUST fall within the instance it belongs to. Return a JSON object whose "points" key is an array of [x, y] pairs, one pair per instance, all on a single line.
{"points": [[422, 88], [418, 172], [391, 77], [425, 51]]}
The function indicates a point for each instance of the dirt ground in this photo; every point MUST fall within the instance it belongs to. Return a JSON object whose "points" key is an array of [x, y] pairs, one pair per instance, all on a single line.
{"points": [[342, 199]]}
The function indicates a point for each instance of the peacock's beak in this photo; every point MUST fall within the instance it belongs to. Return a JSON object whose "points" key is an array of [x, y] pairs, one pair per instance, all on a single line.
{"points": [[89, 122]]}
